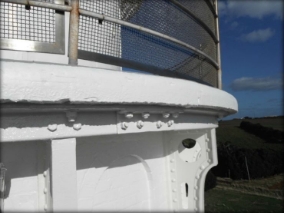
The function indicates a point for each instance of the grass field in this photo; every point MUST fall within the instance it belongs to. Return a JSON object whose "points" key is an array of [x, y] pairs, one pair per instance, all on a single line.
{"points": [[273, 122], [230, 131], [219, 200]]}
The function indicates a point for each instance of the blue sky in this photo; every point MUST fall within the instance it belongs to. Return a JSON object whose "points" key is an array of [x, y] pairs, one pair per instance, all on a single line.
{"points": [[251, 35]]}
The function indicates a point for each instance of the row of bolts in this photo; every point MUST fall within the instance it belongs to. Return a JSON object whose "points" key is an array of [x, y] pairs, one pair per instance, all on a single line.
{"points": [[72, 116]]}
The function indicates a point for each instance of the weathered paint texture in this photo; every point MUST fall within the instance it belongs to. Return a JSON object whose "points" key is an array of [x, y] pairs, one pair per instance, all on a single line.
{"points": [[50, 83]]}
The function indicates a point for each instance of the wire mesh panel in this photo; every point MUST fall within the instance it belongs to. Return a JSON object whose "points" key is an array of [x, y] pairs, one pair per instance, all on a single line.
{"points": [[97, 36], [30, 28], [135, 46], [27, 23]]}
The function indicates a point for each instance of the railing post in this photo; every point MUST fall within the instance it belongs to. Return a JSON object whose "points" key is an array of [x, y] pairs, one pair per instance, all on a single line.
{"points": [[2, 186], [218, 47], [73, 33]]}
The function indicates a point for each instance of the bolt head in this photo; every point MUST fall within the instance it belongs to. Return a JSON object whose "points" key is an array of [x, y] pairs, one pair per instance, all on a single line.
{"points": [[145, 115], [175, 115], [140, 124], [77, 126], [170, 123], [159, 124], [52, 127], [124, 125], [129, 115], [71, 116], [166, 115]]}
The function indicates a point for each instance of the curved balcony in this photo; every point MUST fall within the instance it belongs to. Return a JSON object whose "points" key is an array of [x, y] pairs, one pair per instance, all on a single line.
{"points": [[178, 40]]}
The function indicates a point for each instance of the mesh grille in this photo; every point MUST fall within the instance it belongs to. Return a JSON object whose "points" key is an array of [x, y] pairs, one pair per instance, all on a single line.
{"points": [[162, 16], [201, 10], [108, 35], [27, 23]]}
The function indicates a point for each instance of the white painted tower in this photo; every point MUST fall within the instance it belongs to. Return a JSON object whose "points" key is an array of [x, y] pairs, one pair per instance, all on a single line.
{"points": [[80, 132]]}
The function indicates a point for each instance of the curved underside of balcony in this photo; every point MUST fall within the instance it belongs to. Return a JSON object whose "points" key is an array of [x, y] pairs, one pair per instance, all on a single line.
{"points": [[43, 83]]}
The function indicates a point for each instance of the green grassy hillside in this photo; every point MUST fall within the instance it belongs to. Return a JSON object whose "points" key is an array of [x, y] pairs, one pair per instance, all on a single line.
{"points": [[230, 131], [219, 200], [273, 122]]}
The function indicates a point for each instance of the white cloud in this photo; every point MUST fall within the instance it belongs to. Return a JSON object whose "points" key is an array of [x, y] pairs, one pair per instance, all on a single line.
{"points": [[222, 7], [251, 8], [234, 25], [257, 84], [257, 35]]}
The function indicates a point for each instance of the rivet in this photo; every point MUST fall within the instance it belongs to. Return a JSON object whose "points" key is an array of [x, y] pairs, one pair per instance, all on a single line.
{"points": [[45, 191], [145, 115], [175, 200], [140, 124], [195, 198], [166, 115], [170, 122], [175, 115], [195, 209], [45, 207], [173, 170], [208, 150], [52, 127], [174, 190], [44, 173], [71, 116], [77, 126], [202, 167], [172, 160], [207, 139], [124, 125], [197, 177], [129, 115], [173, 180], [195, 187], [159, 124], [208, 160]]}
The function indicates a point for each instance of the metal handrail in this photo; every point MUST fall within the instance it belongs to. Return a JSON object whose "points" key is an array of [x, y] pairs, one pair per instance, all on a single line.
{"points": [[212, 7], [147, 30], [195, 18], [40, 4], [218, 49]]}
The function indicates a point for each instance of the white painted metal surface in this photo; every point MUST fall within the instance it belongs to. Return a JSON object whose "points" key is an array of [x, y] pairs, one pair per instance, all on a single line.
{"points": [[64, 178], [128, 153], [50, 83]]}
